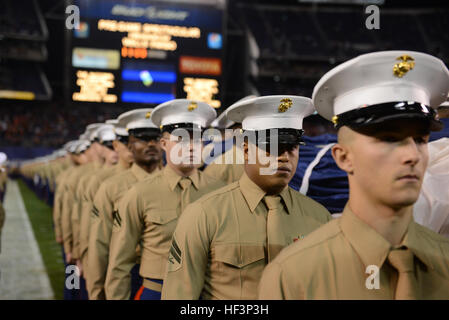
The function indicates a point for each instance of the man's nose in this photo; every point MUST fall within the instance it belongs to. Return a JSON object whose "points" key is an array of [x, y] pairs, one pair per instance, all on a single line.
{"points": [[283, 156], [412, 154], [152, 142]]}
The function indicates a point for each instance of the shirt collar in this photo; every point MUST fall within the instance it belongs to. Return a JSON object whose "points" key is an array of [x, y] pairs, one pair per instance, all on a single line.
{"points": [[120, 167], [140, 173], [418, 246], [173, 178], [97, 164], [372, 247], [253, 194], [287, 198]]}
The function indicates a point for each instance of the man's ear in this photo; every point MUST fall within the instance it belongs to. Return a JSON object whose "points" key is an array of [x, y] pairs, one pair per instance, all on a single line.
{"points": [[115, 145], [245, 151], [163, 142], [343, 157]]}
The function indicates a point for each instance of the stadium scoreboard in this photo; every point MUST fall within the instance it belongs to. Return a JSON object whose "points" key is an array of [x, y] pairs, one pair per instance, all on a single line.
{"points": [[146, 52]]}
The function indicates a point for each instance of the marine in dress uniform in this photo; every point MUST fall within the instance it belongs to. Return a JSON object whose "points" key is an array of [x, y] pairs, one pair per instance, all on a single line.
{"points": [[381, 104], [55, 167], [224, 240], [59, 189], [149, 211], [95, 155], [61, 217], [143, 144], [67, 200]]}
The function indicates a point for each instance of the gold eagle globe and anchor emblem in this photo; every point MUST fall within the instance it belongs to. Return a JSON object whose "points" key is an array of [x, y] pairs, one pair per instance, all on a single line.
{"points": [[148, 115], [286, 104], [335, 120], [192, 106], [406, 64]]}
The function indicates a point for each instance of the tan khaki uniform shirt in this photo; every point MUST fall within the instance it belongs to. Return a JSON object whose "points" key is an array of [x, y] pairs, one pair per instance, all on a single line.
{"points": [[58, 201], [83, 180], [219, 247], [56, 168], [66, 203], [85, 205], [102, 215], [227, 167], [70, 208], [88, 195], [331, 263], [150, 210]]}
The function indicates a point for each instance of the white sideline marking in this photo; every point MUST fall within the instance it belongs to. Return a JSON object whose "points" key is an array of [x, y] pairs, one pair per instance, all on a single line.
{"points": [[23, 274]]}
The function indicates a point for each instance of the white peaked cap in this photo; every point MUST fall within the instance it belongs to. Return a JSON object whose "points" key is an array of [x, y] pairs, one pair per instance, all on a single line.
{"points": [[114, 122], [137, 119], [382, 77], [83, 145], [222, 122], [106, 133], [60, 153], [183, 111], [119, 129], [270, 112], [91, 131], [67, 146]]}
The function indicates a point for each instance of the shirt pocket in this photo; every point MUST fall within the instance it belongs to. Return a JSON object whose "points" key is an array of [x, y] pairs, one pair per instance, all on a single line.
{"points": [[235, 270], [161, 216], [159, 228], [239, 255]]}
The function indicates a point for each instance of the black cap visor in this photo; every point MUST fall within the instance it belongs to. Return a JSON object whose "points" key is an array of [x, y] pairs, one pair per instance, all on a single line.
{"points": [[108, 144], [394, 130], [286, 139], [122, 139], [185, 125], [146, 134], [386, 112]]}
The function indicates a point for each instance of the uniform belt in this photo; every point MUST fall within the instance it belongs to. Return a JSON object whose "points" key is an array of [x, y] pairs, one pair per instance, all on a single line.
{"points": [[152, 285]]}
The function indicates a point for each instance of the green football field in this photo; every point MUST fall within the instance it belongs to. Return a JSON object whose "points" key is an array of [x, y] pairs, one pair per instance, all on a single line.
{"points": [[40, 215]]}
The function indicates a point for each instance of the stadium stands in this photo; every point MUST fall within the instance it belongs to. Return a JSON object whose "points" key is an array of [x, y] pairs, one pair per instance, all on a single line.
{"points": [[45, 125], [299, 44], [23, 34], [15, 22]]}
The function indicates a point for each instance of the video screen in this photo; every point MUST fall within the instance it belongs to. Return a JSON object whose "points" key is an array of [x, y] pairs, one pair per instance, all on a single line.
{"points": [[146, 52]]}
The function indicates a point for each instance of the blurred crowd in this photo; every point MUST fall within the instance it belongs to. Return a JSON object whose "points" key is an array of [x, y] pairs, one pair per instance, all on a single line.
{"points": [[45, 126]]}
